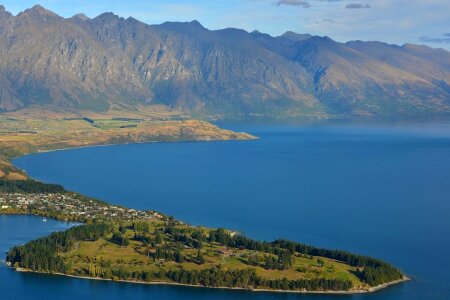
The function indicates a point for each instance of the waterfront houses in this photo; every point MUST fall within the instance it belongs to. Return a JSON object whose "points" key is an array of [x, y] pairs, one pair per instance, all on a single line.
{"points": [[69, 206]]}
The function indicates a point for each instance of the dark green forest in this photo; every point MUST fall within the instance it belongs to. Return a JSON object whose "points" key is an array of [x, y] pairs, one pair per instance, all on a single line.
{"points": [[29, 187]]}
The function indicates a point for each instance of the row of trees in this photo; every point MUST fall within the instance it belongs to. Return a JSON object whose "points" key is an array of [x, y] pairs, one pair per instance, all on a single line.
{"points": [[216, 277], [28, 187], [169, 253], [320, 284]]}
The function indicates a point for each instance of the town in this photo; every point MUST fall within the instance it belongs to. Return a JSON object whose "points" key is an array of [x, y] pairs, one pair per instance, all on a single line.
{"points": [[70, 207]]}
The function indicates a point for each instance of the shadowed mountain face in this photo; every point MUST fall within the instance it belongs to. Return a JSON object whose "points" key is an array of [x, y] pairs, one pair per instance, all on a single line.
{"points": [[105, 62]]}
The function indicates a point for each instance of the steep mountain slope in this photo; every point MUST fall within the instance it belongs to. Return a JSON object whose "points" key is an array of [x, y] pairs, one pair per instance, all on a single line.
{"points": [[48, 60], [108, 61], [189, 67], [347, 80], [432, 65]]}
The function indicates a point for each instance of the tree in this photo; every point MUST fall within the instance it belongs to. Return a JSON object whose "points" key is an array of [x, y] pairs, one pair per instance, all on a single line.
{"points": [[125, 242], [200, 259], [122, 228], [119, 239], [199, 238], [285, 260], [179, 258], [320, 262], [158, 238]]}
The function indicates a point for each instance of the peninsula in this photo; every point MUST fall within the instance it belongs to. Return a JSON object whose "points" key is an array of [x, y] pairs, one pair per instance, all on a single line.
{"points": [[38, 129], [122, 244]]}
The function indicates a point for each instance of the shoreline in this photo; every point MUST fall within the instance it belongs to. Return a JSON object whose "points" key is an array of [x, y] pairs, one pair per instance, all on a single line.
{"points": [[250, 138], [53, 134], [330, 292], [18, 214]]}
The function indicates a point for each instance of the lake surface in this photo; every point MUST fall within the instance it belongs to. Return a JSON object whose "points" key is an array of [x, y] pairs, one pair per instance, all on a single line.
{"points": [[380, 189]]}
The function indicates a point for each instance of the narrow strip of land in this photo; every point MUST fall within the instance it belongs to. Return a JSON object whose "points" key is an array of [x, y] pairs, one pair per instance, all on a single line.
{"points": [[121, 244], [36, 131]]}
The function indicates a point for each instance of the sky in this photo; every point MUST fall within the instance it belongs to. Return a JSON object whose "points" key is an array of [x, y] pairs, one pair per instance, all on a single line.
{"points": [[392, 21]]}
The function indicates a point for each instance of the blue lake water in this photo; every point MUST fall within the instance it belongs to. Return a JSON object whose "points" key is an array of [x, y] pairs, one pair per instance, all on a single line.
{"points": [[380, 189]]}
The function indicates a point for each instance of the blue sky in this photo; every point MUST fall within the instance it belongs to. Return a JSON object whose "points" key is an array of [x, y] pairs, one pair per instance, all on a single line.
{"points": [[393, 21]]}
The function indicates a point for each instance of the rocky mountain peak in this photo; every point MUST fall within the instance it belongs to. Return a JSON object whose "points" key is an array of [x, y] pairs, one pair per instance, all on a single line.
{"points": [[40, 10], [192, 26], [197, 24], [3, 12], [81, 17], [107, 16], [295, 37]]}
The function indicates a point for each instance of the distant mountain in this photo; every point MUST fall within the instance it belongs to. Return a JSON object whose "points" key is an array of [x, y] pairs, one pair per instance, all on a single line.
{"points": [[95, 64]]}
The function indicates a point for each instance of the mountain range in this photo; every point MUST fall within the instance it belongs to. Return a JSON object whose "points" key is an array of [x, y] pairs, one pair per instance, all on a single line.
{"points": [[109, 62]]}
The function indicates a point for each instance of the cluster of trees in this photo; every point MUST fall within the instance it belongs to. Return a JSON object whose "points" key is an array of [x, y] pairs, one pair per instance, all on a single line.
{"points": [[377, 271], [269, 262], [174, 254], [308, 284], [167, 253], [283, 262], [190, 238], [214, 277], [195, 240], [120, 239], [29, 187], [222, 237], [382, 274], [141, 227], [42, 254], [144, 238]]}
